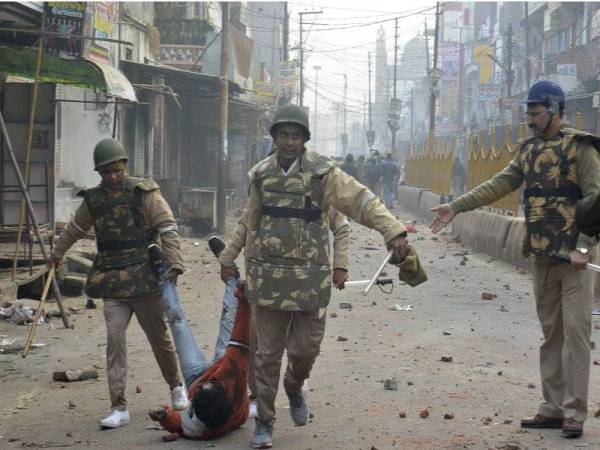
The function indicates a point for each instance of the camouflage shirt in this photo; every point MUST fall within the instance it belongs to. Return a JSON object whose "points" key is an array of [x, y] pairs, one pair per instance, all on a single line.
{"points": [[586, 175]]}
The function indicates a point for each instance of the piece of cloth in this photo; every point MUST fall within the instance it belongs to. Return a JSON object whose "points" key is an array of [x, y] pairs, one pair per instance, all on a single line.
{"points": [[411, 271], [157, 213], [564, 307], [298, 332], [511, 177], [232, 371], [150, 315]]}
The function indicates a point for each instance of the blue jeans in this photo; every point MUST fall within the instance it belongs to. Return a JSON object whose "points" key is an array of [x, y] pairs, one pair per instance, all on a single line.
{"points": [[228, 313], [191, 359]]}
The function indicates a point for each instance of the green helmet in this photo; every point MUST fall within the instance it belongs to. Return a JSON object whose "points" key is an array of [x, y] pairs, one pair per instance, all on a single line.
{"points": [[291, 113], [108, 151]]}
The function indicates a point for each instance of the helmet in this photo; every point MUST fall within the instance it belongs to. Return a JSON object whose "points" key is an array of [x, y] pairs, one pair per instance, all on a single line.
{"points": [[290, 113], [547, 93], [108, 151]]}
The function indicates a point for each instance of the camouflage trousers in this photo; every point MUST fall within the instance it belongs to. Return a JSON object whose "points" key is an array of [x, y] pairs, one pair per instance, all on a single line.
{"points": [[298, 332], [150, 315]]}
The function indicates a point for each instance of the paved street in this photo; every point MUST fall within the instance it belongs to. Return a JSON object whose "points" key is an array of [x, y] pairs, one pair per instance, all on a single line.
{"points": [[491, 382]]}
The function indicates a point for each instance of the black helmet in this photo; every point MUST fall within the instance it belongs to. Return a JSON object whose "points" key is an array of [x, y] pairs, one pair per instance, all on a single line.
{"points": [[547, 93], [291, 113]]}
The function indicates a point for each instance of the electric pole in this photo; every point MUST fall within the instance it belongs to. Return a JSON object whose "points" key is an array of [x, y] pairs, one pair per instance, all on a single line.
{"points": [[509, 61], [286, 32], [528, 60], [412, 114], [301, 51], [393, 119], [345, 135], [370, 133], [434, 74], [222, 169], [314, 127]]}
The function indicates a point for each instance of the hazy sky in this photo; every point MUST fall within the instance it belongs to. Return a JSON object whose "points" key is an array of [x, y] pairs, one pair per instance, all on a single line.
{"points": [[340, 38]]}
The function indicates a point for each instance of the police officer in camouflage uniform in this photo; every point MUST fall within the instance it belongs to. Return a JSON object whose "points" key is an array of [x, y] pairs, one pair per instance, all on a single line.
{"points": [[127, 214], [558, 165], [288, 267]]}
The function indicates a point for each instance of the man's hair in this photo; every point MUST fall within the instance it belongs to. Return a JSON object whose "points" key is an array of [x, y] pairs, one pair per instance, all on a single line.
{"points": [[212, 405]]}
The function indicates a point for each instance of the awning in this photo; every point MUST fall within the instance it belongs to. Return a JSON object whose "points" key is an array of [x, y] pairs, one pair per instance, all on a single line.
{"points": [[21, 61]]}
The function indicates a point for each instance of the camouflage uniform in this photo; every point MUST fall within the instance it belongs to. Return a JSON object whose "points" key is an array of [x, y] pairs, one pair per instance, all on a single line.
{"points": [[288, 268], [556, 172], [126, 221]]}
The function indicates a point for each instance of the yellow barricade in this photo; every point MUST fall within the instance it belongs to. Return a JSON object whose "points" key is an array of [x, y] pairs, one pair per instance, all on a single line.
{"points": [[430, 166]]}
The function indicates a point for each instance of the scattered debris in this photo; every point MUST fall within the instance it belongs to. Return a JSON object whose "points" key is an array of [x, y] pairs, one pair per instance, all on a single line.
{"points": [[435, 238], [17, 348], [512, 446], [592, 345], [596, 362], [531, 386], [90, 304], [345, 305], [424, 414], [196, 244], [75, 375], [507, 422], [154, 426], [138, 389], [19, 314], [72, 404], [390, 384], [402, 415], [333, 315], [486, 420], [488, 295], [410, 383], [402, 308], [445, 333], [446, 359], [503, 309], [449, 416], [597, 413], [342, 339]]}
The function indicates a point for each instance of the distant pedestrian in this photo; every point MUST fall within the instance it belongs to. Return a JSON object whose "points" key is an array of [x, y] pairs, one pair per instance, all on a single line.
{"points": [[389, 175], [349, 167]]}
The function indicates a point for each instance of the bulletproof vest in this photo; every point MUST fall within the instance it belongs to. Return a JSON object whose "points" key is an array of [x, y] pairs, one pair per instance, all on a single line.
{"points": [[289, 265], [121, 268], [551, 193]]}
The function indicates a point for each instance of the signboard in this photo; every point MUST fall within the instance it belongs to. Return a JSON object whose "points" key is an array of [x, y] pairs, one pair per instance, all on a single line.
{"points": [[65, 18], [449, 57], [265, 92], [486, 65], [488, 92], [99, 23]]}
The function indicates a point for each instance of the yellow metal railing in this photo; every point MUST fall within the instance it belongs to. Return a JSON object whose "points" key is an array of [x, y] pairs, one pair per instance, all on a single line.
{"points": [[430, 166], [486, 160]]}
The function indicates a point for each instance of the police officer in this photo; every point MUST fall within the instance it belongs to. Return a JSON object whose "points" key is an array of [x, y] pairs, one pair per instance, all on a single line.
{"points": [[127, 215], [558, 165], [287, 258]]}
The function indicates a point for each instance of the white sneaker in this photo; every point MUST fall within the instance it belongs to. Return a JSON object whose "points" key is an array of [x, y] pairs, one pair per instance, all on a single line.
{"points": [[115, 419], [252, 410], [179, 398]]}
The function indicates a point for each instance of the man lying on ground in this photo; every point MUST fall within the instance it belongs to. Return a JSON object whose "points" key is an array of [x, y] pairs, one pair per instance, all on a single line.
{"points": [[219, 392]]}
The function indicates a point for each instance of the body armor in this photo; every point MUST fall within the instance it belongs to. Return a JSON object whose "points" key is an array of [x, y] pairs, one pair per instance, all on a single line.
{"points": [[288, 261], [551, 193], [121, 268]]}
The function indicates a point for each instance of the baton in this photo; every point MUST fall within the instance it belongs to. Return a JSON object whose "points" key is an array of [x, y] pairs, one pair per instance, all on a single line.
{"points": [[376, 276], [379, 282], [38, 312], [590, 266]]}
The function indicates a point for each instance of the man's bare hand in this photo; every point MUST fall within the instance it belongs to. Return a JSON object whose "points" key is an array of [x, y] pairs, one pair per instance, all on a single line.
{"points": [[158, 414], [444, 215], [399, 246], [227, 273], [340, 276], [578, 260]]}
